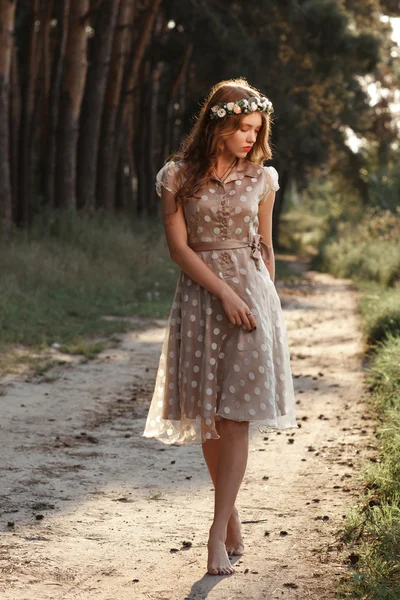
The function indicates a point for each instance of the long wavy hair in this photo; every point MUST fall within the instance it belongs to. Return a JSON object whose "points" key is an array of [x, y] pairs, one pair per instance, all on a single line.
{"points": [[205, 142]]}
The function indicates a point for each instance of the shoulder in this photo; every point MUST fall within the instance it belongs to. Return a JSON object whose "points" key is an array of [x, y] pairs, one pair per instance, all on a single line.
{"points": [[170, 168], [272, 177], [166, 176], [270, 182], [172, 165]]}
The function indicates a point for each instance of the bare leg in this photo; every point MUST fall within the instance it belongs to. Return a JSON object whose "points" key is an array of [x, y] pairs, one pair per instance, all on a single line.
{"points": [[234, 445], [211, 452]]}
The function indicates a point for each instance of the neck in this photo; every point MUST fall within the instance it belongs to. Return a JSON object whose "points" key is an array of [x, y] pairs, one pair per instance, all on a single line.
{"points": [[224, 161]]}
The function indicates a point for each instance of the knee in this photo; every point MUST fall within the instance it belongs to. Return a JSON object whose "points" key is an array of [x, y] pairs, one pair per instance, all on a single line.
{"points": [[234, 429]]}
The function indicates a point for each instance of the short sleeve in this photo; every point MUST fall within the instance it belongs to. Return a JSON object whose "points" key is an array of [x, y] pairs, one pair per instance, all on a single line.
{"points": [[166, 177], [271, 182]]}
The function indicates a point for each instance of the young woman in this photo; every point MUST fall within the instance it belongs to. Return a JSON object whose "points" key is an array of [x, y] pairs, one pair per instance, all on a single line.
{"points": [[225, 360]]}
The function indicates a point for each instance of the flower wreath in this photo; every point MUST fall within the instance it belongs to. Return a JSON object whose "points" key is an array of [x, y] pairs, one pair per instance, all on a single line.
{"points": [[242, 106]]}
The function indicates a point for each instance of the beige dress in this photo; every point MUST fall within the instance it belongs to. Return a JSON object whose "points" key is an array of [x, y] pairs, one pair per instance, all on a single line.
{"points": [[210, 368]]}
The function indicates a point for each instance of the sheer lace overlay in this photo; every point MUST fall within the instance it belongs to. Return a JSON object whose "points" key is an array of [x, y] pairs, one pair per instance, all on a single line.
{"points": [[208, 368]]}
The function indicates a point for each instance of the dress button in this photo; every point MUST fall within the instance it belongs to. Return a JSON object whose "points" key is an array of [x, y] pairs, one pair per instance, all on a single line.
{"points": [[223, 237], [222, 201]]}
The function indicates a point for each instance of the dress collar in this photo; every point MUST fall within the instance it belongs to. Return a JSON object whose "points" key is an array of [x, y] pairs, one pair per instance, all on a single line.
{"points": [[243, 168]]}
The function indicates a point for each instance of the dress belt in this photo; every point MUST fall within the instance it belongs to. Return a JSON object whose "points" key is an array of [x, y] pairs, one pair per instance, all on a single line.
{"points": [[259, 250]]}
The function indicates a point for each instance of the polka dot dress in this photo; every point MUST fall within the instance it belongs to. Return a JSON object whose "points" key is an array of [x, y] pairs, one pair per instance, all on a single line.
{"points": [[209, 368]]}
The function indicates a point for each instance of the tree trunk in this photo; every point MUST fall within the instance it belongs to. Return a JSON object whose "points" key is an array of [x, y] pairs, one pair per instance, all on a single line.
{"points": [[177, 126], [278, 205], [63, 11], [15, 120], [73, 85], [126, 116], [144, 37], [46, 13], [7, 18], [124, 191], [355, 162], [92, 107], [153, 137], [142, 141], [28, 78], [107, 159], [166, 144]]}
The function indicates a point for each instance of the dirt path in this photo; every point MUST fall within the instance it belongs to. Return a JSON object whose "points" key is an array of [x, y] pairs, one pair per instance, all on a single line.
{"points": [[101, 513]]}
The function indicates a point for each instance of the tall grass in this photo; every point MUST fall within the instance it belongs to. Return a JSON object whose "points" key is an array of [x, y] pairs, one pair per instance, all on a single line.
{"points": [[372, 532], [61, 278], [365, 250], [363, 243], [380, 310]]}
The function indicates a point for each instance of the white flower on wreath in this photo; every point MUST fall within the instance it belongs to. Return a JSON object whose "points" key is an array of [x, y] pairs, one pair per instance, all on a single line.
{"points": [[230, 105], [253, 106], [221, 112], [236, 109]]}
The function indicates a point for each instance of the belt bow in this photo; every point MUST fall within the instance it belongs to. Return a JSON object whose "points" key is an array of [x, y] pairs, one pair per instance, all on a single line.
{"points": [[258, 249]]}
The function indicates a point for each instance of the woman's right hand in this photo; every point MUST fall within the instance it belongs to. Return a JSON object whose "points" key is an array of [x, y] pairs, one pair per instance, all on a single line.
{"points": [[237, 310]]}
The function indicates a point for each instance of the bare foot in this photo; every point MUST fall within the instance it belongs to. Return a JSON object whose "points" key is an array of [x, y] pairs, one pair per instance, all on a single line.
{"points": [[234, 541], [218, 560]]}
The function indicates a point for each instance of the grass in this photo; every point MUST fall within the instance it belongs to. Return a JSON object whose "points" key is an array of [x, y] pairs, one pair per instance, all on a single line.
{"points": [[61, 280], [376, 260], [366, 249], [284, 272], [364, 244], [372, 532], [42, 367], [302, 232], [74, 283], [83, 349], [380, 311]]}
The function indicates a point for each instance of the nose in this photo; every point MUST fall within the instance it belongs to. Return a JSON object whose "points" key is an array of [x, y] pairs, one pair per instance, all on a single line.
{"points": [[251, 138]]}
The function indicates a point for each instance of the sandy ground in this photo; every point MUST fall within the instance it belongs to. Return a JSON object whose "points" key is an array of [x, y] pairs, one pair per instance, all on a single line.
{"points": [[89, 509]]}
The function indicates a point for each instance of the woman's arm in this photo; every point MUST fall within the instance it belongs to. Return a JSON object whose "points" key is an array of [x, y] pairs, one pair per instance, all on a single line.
{"points": [[265, 228], [181, 254], [175, 228]]}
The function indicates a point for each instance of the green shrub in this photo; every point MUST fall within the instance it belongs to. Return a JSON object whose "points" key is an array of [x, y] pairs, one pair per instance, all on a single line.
{"points": [[61, 278], [372, 532], [380, 310], [366, 250]]}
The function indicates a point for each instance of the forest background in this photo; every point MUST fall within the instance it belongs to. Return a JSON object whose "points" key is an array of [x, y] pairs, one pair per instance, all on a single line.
{"points": [[94, 96]]}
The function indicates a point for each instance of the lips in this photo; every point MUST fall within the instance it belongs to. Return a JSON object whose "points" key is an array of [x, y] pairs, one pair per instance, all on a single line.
{"points": [[247, 147]]}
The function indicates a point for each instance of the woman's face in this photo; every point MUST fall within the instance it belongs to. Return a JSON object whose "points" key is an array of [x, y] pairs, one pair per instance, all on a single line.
{"points": [[241, 142]]}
